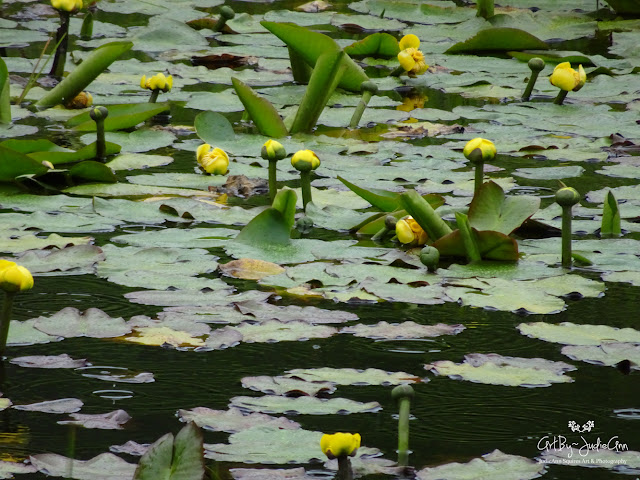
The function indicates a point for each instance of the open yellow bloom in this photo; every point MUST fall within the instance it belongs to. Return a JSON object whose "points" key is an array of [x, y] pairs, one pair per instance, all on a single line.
{"points": [[487, 148], [409, 41], [412, 60], [568, 79], [213, 161], [158, 82], [67, 5], [305, 160], [14, 278], [409, 231], [340, 444]]}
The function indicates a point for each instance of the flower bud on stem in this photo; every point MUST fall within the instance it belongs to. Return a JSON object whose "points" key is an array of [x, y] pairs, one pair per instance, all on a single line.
{"points": [[5, 320], [389, 226], [62, 40], [536, 65], [226, 13], [98, 114], [566, 197], [403, 395], [368, 89]]}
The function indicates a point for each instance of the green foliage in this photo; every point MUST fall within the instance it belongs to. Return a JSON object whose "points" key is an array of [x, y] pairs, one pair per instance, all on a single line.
{"points": [[424, 214], [213, 127], [311, 45], [378, 44], [324, 79], [610, 217], [5, 104], [499, 39], [271, 227], [62, 157], [181, 458], [263, 114], [96, 63], [15, 164], [120, 116]]}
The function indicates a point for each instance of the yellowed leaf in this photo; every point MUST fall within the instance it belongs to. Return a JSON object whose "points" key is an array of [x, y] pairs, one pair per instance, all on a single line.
{"points": [[161, 335], [250, 269], [314, 6]]}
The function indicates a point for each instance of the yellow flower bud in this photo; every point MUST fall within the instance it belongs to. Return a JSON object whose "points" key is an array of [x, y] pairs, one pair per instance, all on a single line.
{"points": [[67, 5], [409, 41], [409, 231], [6, 263], [305, 160], [143, 81], [15, 278], [213, 161], [566, 78], [412, 60], [487, 148], [273, 150], [340, 444]]}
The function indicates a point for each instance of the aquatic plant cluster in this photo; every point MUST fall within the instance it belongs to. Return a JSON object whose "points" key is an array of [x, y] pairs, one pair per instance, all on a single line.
{"points": [[449, 168]]}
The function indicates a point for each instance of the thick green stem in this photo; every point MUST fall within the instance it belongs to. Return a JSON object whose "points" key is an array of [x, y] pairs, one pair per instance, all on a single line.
{"points": [[380, 234], [344, 468], [101, 145], [305, 185], [154, 95], [62, 39], [560, 98], [479, 177], [362, 104], [396, 72], [5, 320], [404, 408], [527, 91], [566, 236], [485, 8], [424, 214], [273, 186]]}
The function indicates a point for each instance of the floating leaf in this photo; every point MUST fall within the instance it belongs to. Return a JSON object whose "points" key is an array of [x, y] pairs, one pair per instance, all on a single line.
{"points": [[568, 333], [213, 127], [351, 376], [271, 473], [608, 354], [93, 322], [495, 369], [303, 405], [499, 39], [250, 269], [159, 336], [287, 313], [63, 405], [288, 386], [105, 466], [404, 330], [233, 420], [49, 361], [104, 421], [275, 331]]}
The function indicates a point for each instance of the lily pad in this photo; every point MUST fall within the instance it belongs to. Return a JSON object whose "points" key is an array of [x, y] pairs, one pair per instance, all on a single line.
{"points": [[494, 369], [49, 361], [93, 322], [404, 330], [105, 466], [250, 269], [568, 333], [159, 336], [303, 405], [275, 331], [104, 421], [233, 420], [63, 405], [607, 354], [351, 376], [288, 386]]}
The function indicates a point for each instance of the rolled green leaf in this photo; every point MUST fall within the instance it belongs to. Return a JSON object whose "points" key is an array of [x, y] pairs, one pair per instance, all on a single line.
{"points": [[120, 117], [85, 73], [378, 44], [5, 103], [324, 80], [424, 214], [263, 114], [285, 203], [300, 69], [610, 217], [468, 238], [311, 45]]}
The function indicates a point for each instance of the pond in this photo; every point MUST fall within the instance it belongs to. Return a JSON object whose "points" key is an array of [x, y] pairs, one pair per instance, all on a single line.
{"points": [[132, 272]]}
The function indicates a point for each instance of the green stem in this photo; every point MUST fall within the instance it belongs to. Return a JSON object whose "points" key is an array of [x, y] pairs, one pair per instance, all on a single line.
{"points": [[273, 187], [424, 214], [101, 146], [379, 235], [362, 104], [403, 431], [62, 39], [527, 91], [5, 320], [154, 95], [344, 468], [485, 8], [305, 185], [566, 237], [560, 98], [479, 177]]}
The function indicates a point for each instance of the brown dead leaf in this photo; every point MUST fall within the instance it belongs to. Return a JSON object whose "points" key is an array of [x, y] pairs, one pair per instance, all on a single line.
{"points": [[250, 269]]}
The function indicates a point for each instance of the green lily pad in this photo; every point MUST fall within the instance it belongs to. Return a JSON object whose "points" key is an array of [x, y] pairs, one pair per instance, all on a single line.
{"points": [[313, 315], [496, 465], [93, 322], [494, 369], [25, 333], [70, 260], [63, 405], [274, 331], [139, 141], [233, 420], [105, 466], [568, 333], [103, 421], [404, 330], [49, 361], [499, 39], [608, 354], [288, 386], [351, 376], [303, 405], [134, 161]]}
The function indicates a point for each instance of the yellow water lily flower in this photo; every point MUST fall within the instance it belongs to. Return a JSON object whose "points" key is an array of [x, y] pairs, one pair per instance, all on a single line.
{"points": [[82, 100], [568, 79], [487, 148], [412, 60], [409, 41], [15, 278], [67, 5], [305, 160], [157, 82], [340, 444], [409, 231], [213, 161], [273, 150]]}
